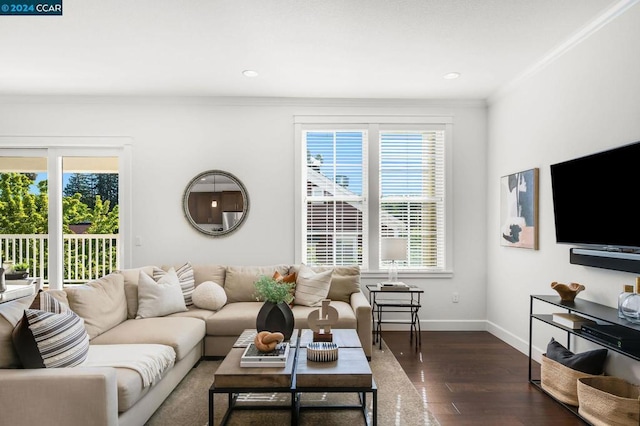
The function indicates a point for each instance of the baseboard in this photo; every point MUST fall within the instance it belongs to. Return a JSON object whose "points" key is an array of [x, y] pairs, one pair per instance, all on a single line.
{"points": [[438, 325], [514, 341]]}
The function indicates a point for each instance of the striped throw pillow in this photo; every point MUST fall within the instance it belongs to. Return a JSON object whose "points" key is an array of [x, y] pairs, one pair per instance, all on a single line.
{"points": [[51, 338], [187, 280]]}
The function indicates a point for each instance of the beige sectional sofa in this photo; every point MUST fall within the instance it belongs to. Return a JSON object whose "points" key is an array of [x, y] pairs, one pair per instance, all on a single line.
{"points": [[114, 395]]}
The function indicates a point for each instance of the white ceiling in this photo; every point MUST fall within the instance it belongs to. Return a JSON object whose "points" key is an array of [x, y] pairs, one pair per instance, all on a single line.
{"points": [[301, 48]]}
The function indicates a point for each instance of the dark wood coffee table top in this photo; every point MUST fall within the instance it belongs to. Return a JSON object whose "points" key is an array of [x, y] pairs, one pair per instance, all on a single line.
{"points": [[351, 369], [231, 375], [343, 337]]}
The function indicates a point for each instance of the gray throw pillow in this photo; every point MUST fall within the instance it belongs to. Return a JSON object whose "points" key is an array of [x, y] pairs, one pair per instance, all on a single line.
{"points": [[590, 362]]}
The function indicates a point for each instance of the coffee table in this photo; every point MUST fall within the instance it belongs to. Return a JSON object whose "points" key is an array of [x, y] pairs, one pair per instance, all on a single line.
{"points": [[233, 380], [349, 374]]}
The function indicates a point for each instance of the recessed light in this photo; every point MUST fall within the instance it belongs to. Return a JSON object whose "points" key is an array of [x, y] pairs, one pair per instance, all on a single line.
{"points": [[451, 75], [250, 73]]}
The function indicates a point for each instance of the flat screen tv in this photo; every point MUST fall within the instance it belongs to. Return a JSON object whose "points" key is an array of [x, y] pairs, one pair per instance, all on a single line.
{"points": [[595, 200]]}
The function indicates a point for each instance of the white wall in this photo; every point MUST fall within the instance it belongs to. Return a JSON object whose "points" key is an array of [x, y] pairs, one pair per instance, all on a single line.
{"points": [[175, 139], [586, 101]]}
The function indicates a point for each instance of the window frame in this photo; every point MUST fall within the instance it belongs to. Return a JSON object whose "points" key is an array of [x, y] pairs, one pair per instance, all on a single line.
{"points": [[373, 125]]}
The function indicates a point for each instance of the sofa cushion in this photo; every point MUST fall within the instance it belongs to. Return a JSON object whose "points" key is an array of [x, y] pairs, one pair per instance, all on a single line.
{"points": [[312, 287], [206, 272], [233, 319], [240, 280], [194, 312], [156, 299], [345, 280], [10, 314], [100, 303], [131, 277], [185, 276], [50, 338], [209, 295], [181, 333], [346, 315]]}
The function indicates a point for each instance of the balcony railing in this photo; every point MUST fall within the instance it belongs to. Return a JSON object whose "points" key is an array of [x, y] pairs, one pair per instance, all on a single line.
{"points": [[86, 256]]}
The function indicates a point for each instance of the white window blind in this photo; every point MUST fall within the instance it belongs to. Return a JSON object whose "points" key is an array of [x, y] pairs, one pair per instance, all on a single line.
{"points": [[335, 209], [412, 188]]}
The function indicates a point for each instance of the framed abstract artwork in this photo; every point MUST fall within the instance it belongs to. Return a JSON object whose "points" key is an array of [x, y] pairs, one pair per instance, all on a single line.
{"points": [[519, 209]]}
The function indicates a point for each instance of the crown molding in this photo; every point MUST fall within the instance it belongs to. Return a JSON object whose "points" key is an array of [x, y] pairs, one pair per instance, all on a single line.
{"points": [[238, 101], [576, 38]]}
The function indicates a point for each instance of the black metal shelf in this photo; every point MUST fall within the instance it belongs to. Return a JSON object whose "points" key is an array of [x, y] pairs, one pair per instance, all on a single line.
{"points": [[595, 311]]}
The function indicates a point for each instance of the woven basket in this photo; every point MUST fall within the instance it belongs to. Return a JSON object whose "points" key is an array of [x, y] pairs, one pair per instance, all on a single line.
{"points": [[609, 401], [560, 381]]}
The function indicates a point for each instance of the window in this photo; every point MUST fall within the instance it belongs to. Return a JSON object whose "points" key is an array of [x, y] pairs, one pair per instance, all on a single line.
{"points": [[76, 201], [362, 179], [334, 209], [411, 171]]}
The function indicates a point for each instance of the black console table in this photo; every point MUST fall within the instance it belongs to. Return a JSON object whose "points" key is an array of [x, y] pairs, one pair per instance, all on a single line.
{"points": [[409, 303], [595, 311]]}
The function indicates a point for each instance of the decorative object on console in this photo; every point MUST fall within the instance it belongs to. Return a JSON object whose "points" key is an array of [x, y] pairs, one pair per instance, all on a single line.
{"points": [[630, 306], [275, 314], [570, 320], [567, 292], [519, 209], [393, 249], [321, 320], [628, 289], [322, 351]]}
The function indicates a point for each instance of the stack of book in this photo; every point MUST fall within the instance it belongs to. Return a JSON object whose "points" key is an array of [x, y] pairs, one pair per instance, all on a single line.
{"points": [[252, 357], [393, 286], [573, 321]]}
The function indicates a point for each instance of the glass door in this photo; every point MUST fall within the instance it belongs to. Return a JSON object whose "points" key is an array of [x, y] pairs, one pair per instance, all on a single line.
{"points": [[60, 212]]}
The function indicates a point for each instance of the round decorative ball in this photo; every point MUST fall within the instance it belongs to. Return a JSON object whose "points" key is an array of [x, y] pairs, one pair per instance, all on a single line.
{"points": [[209, 295]]}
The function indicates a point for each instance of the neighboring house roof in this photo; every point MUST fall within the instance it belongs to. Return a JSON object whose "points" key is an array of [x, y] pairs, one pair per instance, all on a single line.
{"points": [[327, 185]]}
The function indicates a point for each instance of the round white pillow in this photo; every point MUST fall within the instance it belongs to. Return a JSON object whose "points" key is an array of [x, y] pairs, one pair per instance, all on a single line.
{"points": [[209, 295]]}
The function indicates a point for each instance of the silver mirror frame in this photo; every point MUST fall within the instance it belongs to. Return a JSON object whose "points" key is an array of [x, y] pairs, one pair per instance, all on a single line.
{"points": [[197, 179]]}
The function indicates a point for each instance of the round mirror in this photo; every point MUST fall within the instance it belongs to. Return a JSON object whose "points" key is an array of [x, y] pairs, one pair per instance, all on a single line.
{"points": [[215, 203]]}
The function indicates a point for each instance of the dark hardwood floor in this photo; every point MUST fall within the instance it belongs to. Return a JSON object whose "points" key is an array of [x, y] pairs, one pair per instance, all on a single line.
{"points": [[474, 378]]}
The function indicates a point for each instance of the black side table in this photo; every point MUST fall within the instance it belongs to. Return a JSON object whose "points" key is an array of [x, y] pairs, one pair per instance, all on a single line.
{"points": [[409, 303]]}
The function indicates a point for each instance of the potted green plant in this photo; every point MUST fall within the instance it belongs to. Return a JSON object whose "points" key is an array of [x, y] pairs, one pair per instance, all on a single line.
{"points": [[19, 271], [275, 314]]}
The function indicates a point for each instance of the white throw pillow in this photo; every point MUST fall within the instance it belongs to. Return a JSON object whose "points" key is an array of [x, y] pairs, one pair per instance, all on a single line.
{"points": [[209, 295], [157, 299], [312, 287], [186, 277]]}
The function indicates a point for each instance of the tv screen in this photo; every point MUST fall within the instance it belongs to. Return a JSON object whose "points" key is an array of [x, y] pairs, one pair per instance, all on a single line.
{"points": [[594, 199]]}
